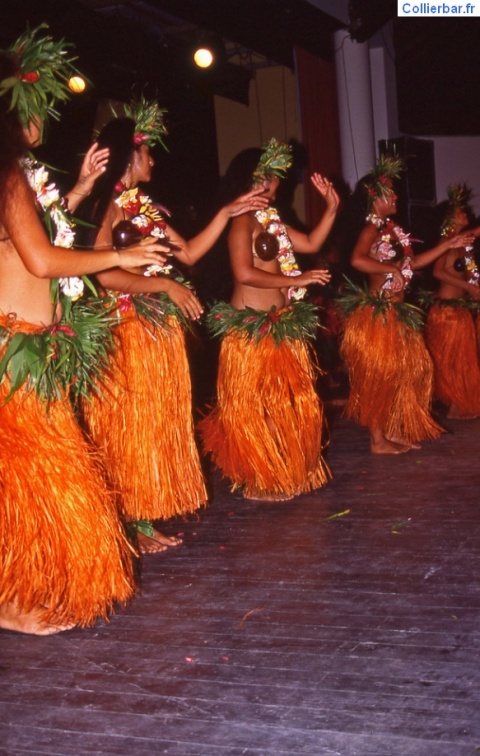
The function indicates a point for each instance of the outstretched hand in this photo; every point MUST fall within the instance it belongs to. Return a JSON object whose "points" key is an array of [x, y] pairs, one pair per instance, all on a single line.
{"points": [[326, 189], [313, 276], [246, 203], [150, 251], [461, 240]]}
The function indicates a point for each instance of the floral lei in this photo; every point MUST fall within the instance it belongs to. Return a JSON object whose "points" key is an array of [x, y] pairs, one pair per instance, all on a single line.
{"points": [[471, 268], [147, 218], [270, 220], [393, 242], [59, 224]]}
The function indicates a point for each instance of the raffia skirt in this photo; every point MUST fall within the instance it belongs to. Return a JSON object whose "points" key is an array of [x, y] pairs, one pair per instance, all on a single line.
{"points": [[62, 546], [391, 376], [265, 432], [451, 341], [142, 422]]}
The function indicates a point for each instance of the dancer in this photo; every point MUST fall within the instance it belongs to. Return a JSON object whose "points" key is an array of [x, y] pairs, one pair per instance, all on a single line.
{"points": [[450, 329], [143, 422], [64, 559], [390, 370], [265, 433]]}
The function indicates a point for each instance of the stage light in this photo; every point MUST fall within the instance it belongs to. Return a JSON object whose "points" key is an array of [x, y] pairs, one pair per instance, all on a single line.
{"points": [[76, 84], [203, 57]]}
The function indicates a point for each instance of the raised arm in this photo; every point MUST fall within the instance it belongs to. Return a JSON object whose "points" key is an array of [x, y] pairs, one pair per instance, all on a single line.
{"points": [[93, 165], [312, 242]]}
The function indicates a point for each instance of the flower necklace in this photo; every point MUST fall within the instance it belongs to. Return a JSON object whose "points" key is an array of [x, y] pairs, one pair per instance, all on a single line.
{"points": [[59, 225], [148, 220], [394, 243], [466, 262], [270, 220], [471, 268]]}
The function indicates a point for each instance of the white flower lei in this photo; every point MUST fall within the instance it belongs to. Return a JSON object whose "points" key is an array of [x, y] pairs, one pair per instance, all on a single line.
{"points": [[48, 197], [271, 222], [473, 274], [383, 249]]}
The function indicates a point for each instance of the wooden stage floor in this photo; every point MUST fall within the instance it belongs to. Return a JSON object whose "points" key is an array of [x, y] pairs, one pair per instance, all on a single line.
{"points": [[344, 622]]}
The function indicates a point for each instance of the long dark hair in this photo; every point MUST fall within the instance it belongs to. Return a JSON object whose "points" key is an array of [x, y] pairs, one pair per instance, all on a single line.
{"points": [[117, 135], [13, 143], [238, 177]]}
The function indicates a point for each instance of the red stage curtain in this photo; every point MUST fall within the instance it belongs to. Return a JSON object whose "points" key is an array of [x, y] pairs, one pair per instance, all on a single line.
{"points": [[320, 124]]}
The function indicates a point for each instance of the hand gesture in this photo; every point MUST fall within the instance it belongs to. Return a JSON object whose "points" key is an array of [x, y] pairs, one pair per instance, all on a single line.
{"points": [[150, 251], [314, 276], [326, 189], [461, 240], [252, 200], [94, 164]]}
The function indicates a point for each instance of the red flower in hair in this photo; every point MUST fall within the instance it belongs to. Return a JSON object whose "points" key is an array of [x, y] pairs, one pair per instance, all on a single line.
{"points": [[30, 78]]}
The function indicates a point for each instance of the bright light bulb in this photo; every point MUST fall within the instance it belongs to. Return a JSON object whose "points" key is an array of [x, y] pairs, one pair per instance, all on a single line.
{"points": [[203, 57], [76, 84]]}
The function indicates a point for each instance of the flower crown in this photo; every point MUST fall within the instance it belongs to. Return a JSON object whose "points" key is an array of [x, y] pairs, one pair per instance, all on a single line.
{"points": [[43, 70], [275, 160], [149, 122], [387, 169], [458, 198]]}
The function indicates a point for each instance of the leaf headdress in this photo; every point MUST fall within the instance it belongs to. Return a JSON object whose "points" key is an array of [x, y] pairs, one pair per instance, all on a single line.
{"points": [[387, 169], [459, 195], [149, 122], [43, 68], [275, 160]]}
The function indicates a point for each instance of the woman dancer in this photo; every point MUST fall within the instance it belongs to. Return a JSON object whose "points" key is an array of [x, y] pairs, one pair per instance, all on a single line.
{"points": [[142, 422], [64, 559]]}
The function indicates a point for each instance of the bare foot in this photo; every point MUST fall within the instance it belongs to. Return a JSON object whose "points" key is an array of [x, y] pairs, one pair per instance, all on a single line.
{"points": [[455, 414], [388, 447], [402, 442], [156, 543], [30, 623], [268, 497]]}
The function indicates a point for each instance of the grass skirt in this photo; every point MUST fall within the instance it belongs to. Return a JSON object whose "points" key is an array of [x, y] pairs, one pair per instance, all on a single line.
{"points": [[61, 543], [451, 341], [391, 376], [143, 425], [265, 433]]}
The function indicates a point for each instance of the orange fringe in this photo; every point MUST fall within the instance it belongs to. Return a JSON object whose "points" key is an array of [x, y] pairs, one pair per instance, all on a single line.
{"points": [[143, 425], [266, 432], [62, 546], [451, 341], [391, 376]]}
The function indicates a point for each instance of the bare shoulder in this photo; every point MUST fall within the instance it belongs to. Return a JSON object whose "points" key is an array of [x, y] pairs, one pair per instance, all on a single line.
{"points": [[367, 237]]}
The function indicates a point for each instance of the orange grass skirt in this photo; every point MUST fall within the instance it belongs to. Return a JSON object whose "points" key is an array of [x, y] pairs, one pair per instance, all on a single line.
{"points": [[265, 433], [452, 343], [142, 422], [62, 546], [391, 376]]}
